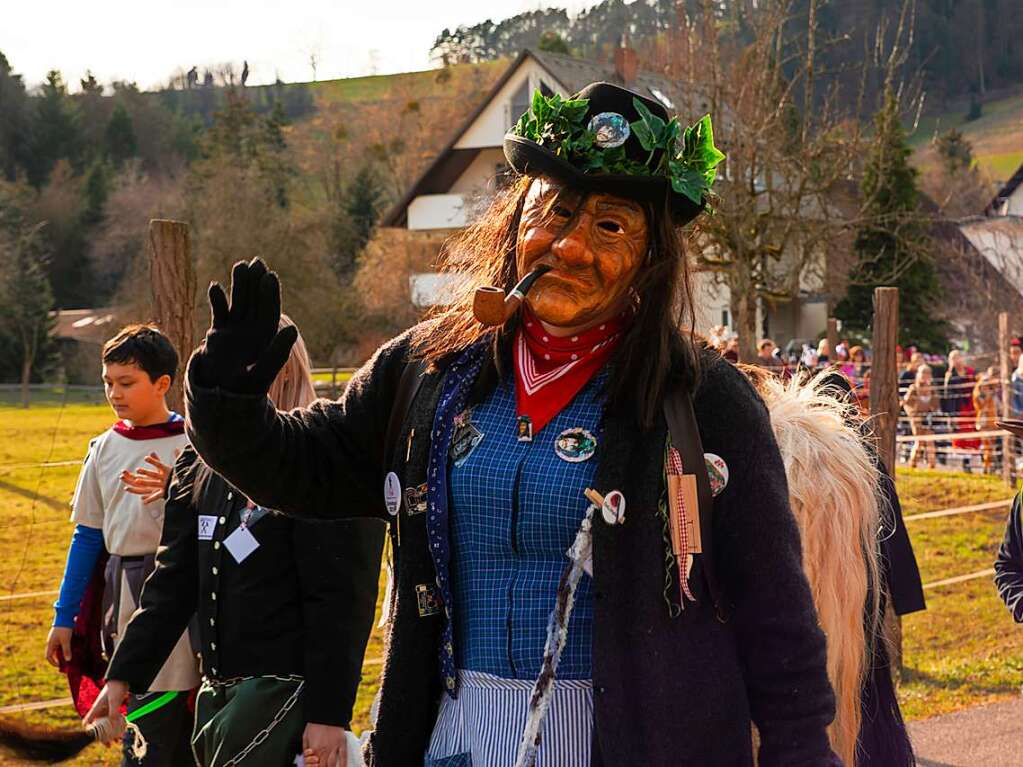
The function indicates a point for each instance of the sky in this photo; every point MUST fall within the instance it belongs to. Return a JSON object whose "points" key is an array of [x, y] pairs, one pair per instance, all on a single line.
{"points": [[146, 42]]}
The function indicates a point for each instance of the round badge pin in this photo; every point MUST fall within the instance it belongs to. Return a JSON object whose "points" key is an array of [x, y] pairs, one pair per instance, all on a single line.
{"points": [[717, 472], [392, 493], [613, 508], [610, 128], [575, 445]]}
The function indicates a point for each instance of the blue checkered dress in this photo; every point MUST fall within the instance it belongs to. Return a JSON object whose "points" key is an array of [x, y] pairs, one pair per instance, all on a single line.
{"points": [[516, 507], [514, 510]]}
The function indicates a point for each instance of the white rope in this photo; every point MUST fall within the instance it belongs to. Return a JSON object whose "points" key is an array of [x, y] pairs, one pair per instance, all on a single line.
{"points": [[951, 436], [960, 579], [27, 595], [959, 510]]}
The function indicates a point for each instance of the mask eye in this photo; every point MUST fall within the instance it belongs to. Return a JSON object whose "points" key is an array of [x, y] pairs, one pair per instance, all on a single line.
{"points": [[610, 226], [560, 211]]}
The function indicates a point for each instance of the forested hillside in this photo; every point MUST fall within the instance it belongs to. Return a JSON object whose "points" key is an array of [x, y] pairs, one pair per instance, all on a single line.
{"points": [[962, 48]]}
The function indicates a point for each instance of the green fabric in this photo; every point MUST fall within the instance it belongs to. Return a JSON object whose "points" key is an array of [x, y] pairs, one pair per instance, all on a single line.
{"points": [[151, 706], [227, 719]]}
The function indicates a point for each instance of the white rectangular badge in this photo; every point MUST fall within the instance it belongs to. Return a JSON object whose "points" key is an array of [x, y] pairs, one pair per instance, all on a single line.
{"points": [[207, 524], [240, 544]]}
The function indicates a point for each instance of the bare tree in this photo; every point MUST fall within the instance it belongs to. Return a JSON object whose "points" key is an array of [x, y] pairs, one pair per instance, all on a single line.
{"points": [[788, 198]]}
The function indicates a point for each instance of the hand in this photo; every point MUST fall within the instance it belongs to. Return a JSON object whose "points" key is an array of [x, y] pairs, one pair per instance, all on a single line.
{"points": [[149, 483], [244, 350], [324, 746], [108, 705], [58, 645]]}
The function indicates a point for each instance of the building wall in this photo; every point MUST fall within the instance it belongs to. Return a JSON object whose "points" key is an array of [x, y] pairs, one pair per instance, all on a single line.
{"points": [[489, 128], [1014, 205], [437, 211], [479, 176], [711, 303]]}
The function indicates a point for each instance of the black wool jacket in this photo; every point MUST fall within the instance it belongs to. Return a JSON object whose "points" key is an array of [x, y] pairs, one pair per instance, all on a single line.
{"points": [[301, 603], [1009, 563], [667, 690]]}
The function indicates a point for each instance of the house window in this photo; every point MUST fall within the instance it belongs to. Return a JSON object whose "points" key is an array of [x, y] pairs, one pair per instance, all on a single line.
{"points": [[519, 102], [725, 319], [546, 90]]}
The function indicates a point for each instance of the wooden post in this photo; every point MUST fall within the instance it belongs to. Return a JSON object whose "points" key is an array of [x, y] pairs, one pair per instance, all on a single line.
{"points": [[1004, 373], [172, 276], [832, 340], [884, 412], [884, 374]]}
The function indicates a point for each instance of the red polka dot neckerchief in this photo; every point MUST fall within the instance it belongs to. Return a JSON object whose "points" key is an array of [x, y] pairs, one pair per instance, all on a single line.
{"points": [[551, 370]]}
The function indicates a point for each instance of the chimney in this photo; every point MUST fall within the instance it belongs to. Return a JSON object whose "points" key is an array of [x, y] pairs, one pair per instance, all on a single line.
{"points": [[626, 65]]}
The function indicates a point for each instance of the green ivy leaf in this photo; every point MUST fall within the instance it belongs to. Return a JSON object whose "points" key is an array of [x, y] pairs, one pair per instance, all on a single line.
{"points": [[643, 134], [654, 124], [689, 182]]}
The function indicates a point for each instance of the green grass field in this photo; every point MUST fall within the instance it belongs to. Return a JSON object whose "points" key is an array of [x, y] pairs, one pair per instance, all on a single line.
{"points": [[997, 136], [962, 651]]}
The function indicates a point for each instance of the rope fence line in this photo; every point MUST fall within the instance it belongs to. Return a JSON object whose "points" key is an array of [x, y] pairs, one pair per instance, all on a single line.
{"points": [[960, 579], [27, 595], [963, 435], [960, 510], [47, 465], [36, 705]]}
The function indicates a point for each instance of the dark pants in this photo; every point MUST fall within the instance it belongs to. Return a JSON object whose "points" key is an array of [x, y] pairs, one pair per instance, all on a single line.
{"points": [[167, 730], [258, 720]]}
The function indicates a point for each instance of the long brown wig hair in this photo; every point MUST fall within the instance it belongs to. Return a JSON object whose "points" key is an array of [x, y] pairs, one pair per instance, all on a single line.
{"points": [[658, 345], [833, 491]]}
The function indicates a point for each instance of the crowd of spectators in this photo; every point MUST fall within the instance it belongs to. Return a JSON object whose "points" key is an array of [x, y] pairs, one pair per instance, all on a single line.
{"points": [[938, 394]]}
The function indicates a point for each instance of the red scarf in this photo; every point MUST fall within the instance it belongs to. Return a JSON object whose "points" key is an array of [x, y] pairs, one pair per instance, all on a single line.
{"points": [[550, 371], [155, 431]]}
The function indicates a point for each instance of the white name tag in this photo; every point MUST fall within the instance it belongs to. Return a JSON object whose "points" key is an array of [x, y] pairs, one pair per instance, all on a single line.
{"points": [[240, 544], [207, 524]]}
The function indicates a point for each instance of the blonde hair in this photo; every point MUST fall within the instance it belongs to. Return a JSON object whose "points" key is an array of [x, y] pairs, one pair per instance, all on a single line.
{"points": [[293, 386], [833, 491]]}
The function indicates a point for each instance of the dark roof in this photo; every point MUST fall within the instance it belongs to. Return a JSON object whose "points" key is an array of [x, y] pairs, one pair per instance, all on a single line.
{"points": [[1005, 192], [87, 325], [571, 73]]}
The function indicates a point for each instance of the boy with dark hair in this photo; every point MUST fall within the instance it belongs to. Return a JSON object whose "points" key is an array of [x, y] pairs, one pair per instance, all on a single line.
{"points": [[139, 365]]}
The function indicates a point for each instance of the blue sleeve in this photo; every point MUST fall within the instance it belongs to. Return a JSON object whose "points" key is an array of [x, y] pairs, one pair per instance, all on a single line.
{"points": [[86, 545]]}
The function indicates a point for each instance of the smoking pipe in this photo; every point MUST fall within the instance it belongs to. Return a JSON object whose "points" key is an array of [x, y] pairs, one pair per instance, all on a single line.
{"points": [[491, 307]]}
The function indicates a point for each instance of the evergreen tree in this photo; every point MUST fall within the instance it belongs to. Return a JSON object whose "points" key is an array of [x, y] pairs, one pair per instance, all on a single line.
{"points": [[955, 151], [273, 155], [90, 84], [120, 137], [892, 244], [15, 122], [357, 214], [56, 132], [94, 194], [552, 42]]}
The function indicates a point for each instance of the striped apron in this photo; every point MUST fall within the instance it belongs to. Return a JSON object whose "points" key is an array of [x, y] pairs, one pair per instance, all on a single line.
{"points": [[482, 727]]}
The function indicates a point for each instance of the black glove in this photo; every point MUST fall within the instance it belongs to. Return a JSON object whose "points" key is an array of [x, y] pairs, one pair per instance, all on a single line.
{"points": [[244, 350]]}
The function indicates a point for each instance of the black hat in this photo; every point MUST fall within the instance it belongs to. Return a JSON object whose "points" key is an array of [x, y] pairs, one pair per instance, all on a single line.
{"points": [[609, 139]]}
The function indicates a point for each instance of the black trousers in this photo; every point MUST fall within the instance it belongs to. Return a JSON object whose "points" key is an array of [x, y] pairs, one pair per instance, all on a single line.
{"points": [[167, 730]]}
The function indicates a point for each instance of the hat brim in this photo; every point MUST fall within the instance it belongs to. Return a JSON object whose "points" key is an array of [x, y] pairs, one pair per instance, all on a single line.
{"points": [[529, 158]]}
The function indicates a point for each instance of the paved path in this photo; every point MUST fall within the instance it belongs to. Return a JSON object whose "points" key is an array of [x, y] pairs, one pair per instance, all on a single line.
{"points": [[984, 736]]}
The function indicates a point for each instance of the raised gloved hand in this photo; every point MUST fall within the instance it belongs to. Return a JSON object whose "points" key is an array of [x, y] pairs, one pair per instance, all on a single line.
{"points": [[244, 350]]}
